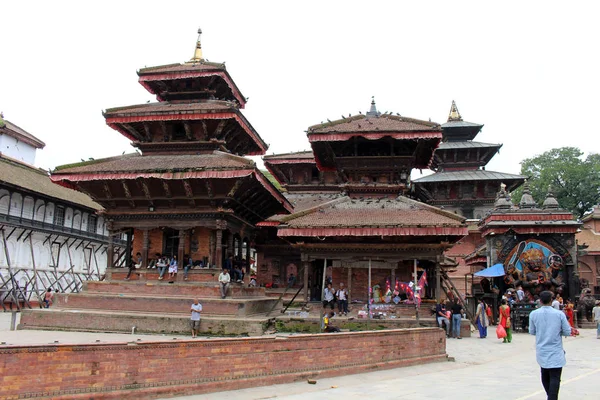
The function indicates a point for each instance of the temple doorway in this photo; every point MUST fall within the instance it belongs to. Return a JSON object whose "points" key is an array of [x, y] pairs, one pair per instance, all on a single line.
{"points": [[170, 242]]}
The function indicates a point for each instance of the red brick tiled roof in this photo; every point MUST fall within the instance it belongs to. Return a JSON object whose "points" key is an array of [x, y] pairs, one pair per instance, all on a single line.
{"points": [[382, 123], [169, 107], [390, 214], [304, 155], [202, 66], [157, 163], [19, 174]]}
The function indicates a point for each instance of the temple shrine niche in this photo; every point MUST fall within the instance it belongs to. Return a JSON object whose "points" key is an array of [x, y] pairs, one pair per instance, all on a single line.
{"points": [[535, 244]]}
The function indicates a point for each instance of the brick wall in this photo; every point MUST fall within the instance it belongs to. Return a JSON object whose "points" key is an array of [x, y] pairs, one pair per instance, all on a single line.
{"points": [[157, 369]]}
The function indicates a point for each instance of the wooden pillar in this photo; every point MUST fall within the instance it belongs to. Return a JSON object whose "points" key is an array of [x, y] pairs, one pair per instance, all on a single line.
{"points": [[128, 254], [211, 249], [145, 247], [183, 233], [393, 279], [218, 248], [305, 266], [349, 285], [110, 250], [438, 285], [230, 249], [247, 259]]}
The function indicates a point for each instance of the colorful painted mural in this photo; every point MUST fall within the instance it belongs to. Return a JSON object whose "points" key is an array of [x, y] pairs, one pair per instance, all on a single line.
{"points": [[535, 266]]}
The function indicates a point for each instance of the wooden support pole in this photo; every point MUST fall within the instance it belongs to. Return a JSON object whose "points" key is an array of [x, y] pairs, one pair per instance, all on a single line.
{"points": [[145, 247], [35, 274], [305, 266], [219, 248], [349, 285], [323, 293]]}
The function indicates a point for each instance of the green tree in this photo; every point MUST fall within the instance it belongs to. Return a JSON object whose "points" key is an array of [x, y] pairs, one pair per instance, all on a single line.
{"points": [[575, 180]]}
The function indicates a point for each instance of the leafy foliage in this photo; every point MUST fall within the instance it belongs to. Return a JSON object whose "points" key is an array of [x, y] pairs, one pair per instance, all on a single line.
{"points": [[575, 180]]}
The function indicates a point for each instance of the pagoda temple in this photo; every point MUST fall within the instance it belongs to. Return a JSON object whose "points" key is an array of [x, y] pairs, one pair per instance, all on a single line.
{"points": [[461, 183], [188, 189], [352, 219]]}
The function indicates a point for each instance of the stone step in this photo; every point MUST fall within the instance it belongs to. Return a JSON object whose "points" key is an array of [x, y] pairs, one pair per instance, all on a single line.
{"points": [[111, 321], [162, 288], [152, 274], [164, 304]]}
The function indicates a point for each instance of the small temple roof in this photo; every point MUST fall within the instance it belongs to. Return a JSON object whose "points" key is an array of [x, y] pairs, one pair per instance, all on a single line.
{"points": [[466, 145], [10, 129], [169, 107], [457, 129], [184, 111], [345, 216], [469, 175], [381, 123], [197, 67], [283, 158], [135, 163], [35, 180]]}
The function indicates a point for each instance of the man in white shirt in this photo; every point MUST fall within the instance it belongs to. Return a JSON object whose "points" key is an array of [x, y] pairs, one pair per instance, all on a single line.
{"points": [[224, 280], [342, 296], [548, 325], [195, 319], [596, 317], [328, 297], [555, 304]]}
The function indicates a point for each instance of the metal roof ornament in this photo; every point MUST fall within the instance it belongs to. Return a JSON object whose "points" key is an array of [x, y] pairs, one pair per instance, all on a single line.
{"points": [[503, 199], [198, 52], [550, 202], [373, 110], [454, 114], [527, 200]]}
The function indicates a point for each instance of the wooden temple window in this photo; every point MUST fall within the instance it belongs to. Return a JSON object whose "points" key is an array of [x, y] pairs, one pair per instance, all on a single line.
{"points": [[59, 216], [315, 175], [92, 224], [178, 133]]}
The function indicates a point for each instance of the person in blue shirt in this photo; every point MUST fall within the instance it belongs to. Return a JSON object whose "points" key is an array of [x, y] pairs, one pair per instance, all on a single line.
{"points": [[548, 325]]}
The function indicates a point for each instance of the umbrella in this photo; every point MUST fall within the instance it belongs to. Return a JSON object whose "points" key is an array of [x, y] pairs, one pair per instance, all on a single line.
{"points": [[491, 272]]}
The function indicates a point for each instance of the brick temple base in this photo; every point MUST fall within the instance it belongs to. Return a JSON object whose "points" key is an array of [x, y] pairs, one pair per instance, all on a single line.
{"points": [[157, 369]]}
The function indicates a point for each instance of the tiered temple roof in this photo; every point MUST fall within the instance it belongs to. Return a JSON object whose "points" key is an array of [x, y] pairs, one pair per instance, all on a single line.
{"points": [[460, 182], [192, 143]]}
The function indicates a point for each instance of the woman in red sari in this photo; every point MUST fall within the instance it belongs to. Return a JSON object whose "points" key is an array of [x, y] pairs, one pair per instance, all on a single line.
{"points": [[505, 321], [569, 312]]}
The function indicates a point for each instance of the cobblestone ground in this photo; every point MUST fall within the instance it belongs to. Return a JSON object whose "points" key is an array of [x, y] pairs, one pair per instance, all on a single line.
{"points": [[483, 369]]}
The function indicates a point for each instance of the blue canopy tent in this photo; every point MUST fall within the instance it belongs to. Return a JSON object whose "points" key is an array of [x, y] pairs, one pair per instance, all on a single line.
{"points": [[491, 272]]}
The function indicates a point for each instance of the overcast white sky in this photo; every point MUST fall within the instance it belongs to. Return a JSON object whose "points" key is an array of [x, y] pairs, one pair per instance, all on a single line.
{"points": [[528, 70]]}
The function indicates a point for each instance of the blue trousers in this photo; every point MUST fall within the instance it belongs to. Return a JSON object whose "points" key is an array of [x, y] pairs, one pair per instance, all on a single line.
{"points": [[456, 318]]}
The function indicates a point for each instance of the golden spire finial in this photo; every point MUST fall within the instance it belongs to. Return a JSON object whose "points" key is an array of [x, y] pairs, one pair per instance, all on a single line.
{"points": [[198, 52], [454, 114]]}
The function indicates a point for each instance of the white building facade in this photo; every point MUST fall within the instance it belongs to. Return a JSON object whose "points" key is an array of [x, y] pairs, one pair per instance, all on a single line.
{"points": [[50, 236]]}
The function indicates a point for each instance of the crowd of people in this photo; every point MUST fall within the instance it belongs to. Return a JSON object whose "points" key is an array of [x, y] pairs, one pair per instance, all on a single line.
{"points": [[165, 264]]}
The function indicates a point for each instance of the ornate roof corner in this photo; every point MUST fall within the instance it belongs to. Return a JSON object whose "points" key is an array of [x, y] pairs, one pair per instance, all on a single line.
{"points": [[503, 201], [198, 51], [373, 110], [454, 114], [527, 200], [550, 203]]}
